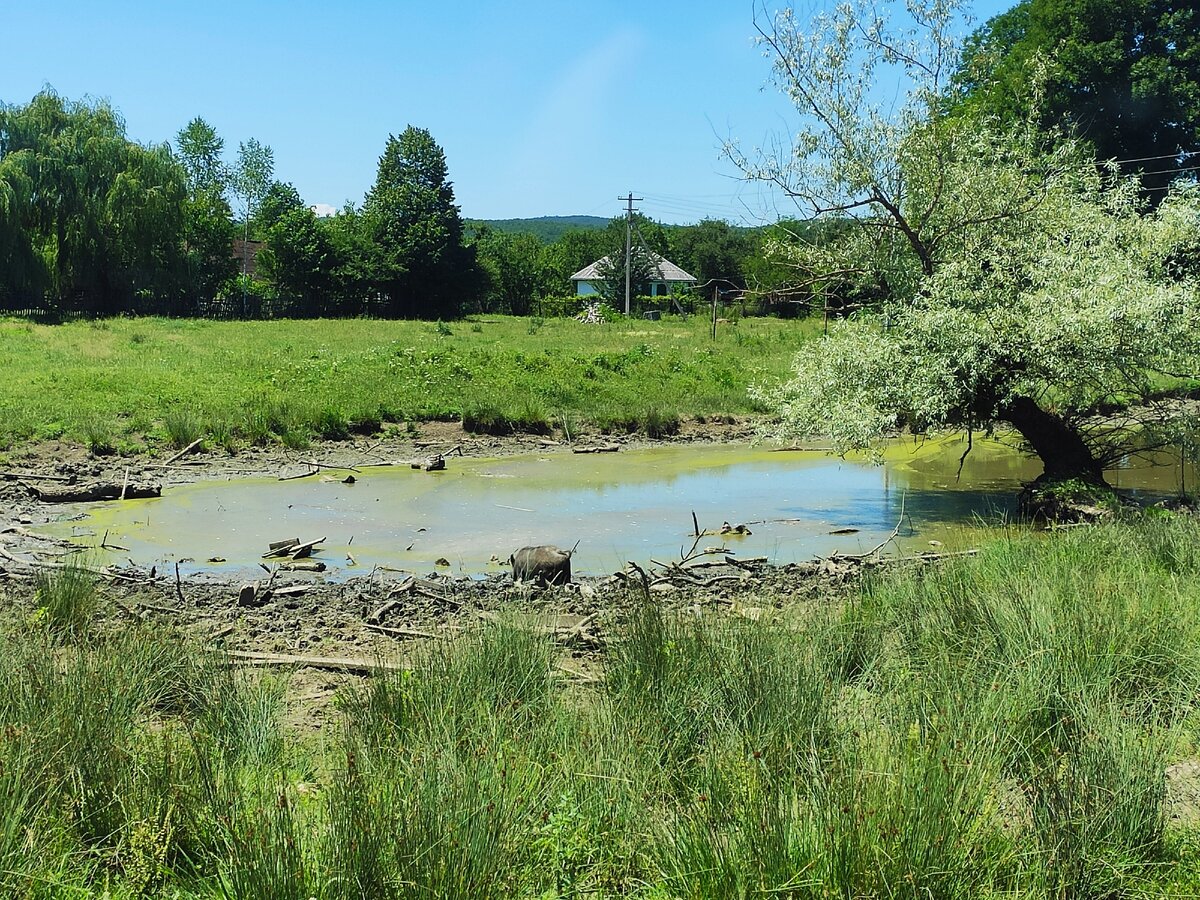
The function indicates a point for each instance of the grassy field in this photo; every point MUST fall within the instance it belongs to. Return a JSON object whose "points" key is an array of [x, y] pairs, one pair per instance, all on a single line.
{"points": [[997, 727], [120, 383]]}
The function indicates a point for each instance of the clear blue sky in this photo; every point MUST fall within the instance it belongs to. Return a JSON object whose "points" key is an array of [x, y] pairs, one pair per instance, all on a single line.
{"points": [[542, 107]]}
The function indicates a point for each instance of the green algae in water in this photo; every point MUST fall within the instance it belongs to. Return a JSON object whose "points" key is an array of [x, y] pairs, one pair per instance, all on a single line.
{"points": [[629, 505]]}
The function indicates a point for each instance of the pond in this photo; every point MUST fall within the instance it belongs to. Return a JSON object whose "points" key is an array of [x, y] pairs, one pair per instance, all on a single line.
{"points": [[617, 506]]}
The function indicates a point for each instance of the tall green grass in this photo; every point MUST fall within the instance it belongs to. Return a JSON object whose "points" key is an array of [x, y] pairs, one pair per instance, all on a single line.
{"points": [[66, 600], [995, 727], [117, 384]]}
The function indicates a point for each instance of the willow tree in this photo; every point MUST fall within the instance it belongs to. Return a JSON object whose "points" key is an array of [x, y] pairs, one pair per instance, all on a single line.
{"points": [[1014, 286], [23, 275], [91, 218]]}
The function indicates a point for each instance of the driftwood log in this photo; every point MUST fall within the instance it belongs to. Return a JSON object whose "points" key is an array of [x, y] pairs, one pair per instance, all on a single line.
{"points": [[96, 490]]}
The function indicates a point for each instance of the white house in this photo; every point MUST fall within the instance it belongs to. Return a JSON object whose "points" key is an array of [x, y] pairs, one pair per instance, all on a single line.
{"points": [[669, 277]]}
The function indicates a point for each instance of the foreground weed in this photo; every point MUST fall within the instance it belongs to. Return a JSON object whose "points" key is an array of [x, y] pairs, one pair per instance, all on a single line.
{"points": [[67, 601], [994, 727], [659, 423], [489, 418]]}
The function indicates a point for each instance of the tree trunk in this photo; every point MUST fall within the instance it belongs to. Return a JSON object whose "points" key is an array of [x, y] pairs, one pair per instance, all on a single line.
{"points": [[1060, 448]]}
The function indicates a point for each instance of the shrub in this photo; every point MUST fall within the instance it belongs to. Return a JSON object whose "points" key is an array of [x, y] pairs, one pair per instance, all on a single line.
{"points": [[657, 423]]}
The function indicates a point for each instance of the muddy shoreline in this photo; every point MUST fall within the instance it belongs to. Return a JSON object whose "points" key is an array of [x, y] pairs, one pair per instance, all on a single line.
{"points": [[307, 616]]}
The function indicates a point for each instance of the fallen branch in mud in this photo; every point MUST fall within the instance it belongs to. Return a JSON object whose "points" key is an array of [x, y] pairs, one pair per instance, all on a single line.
{"points": [[401, 632], [291, 547], [325, 663], [35, 536], [407, 585], [607, 448], [434, 595], [102, 573], [105, 545], [185, 451], [308, 474], [166, 610], [435, 463], [891, 537], [30, 476], [319, 466], [566, 629], [303, 565], [927, 557], [95, 491]]}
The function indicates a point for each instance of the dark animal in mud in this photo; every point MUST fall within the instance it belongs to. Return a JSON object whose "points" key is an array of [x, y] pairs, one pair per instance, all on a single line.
{"points": [[543, 565]]}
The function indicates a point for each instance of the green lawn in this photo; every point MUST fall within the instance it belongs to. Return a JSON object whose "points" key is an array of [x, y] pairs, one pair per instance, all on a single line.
{"points": [[115, 382]]}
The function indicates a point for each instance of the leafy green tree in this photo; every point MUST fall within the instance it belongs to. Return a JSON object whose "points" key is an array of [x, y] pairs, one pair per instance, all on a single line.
{"points": [[1015, 289], [23, 272], [517, 270], [279, 199], [208, 235], [711, 250], [652, 235], [250, 178], [301, 261], [575, 249], [91, 218], [208, 230], [353, 279], [199, 148], [420, 263], [1122, 74], [642, 271]]}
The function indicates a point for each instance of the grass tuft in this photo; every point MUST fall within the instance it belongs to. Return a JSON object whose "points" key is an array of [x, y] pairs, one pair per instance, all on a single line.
{"points": [[67, 601], [183, 425]]}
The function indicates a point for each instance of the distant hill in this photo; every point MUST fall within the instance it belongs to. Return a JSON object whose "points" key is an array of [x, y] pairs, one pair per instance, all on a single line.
{"points": [[548, 228]]}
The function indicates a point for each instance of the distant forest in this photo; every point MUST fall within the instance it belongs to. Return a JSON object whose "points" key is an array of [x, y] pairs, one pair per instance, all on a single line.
{"points": [[547, 229]]}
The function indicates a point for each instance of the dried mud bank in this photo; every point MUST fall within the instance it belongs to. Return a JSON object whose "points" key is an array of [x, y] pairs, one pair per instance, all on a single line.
{"points": [[376, 615]]}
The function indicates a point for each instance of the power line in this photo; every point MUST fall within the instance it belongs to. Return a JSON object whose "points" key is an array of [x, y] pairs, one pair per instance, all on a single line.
{"points": [[1164, 156], [1172, 171]]}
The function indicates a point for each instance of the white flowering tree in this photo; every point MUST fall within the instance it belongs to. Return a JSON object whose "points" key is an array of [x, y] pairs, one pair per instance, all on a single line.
{"points": [[1017, 285]]}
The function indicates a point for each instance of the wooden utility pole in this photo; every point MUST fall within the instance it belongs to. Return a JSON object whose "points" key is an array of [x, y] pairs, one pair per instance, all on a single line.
{"points": [[628, 245]]}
